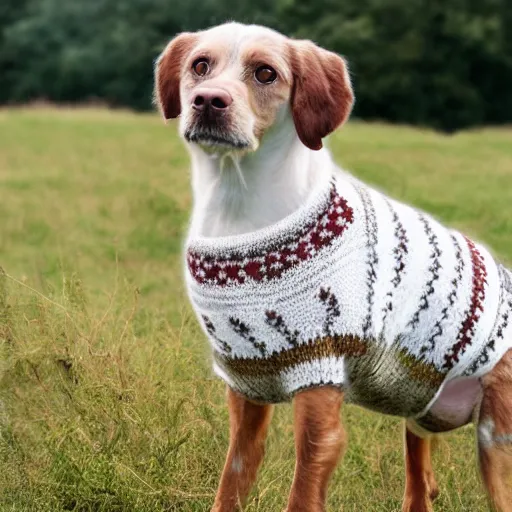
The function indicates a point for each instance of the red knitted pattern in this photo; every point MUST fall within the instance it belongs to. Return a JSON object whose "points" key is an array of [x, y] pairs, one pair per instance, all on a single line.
{"points": [[467, 330], [271, 263]]}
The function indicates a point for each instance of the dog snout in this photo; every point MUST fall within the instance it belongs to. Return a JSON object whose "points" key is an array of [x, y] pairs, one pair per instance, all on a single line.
{"points": [[216, 99]]}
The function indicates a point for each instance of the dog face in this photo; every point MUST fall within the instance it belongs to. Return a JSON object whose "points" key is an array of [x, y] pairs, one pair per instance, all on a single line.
{"points": [[229, 83]]}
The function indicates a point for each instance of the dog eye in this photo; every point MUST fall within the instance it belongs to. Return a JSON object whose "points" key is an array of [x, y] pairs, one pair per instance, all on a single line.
{"points": [[265, 75], [201, 67]]}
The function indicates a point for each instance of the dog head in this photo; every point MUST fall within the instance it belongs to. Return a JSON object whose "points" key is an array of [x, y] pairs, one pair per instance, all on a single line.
{"points": [[229, 83]]}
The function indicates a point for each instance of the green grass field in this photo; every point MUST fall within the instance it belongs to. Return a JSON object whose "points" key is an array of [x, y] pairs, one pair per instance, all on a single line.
{"points": [[107, 402]]}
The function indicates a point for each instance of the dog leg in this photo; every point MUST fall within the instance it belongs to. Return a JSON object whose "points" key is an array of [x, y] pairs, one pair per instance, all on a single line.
{"points": [[248, 426], [319, 442], [420, 483], [495, 434]]}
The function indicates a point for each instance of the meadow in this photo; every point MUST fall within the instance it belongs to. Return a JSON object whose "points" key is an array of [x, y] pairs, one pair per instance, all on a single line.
{"points": [[107, 401]]}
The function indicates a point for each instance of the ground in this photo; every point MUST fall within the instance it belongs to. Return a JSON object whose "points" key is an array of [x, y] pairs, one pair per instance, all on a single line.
{"points": [[107, 402]]}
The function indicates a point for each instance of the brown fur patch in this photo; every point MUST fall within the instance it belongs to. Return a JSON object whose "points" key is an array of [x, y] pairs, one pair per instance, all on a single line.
{"points": [[265, 100], [320, 440], [420, 484], [168, 74], [495, 457], [322, 96], [248, 426]]}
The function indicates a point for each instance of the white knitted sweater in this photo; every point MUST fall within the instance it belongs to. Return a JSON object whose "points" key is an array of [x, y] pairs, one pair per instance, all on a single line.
{"points": [[354, 290]]}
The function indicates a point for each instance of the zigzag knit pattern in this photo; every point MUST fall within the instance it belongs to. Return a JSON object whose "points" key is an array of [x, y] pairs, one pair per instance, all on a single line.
{"points": [[353, 290]]}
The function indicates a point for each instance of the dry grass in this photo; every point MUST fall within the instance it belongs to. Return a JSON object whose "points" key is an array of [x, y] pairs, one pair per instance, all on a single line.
{"points": [[107, 401]]}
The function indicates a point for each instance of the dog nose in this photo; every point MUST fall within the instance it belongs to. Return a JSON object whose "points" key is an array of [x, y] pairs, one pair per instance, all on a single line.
{"points": [[217, 99]]}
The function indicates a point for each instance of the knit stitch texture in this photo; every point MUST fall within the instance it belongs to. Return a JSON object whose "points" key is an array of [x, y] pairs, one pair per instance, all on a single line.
{"points": [[354, 290]]}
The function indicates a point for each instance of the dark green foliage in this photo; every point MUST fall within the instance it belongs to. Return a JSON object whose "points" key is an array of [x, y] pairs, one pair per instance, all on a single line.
{"points": [[442, 63]]}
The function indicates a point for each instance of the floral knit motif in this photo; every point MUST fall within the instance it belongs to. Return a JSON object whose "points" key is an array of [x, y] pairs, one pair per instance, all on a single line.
{"points": [[329, 223], [353, 290]]}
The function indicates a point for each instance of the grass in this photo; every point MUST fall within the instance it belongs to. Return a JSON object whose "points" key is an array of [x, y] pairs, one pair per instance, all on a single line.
{"points": [[107, 399]]}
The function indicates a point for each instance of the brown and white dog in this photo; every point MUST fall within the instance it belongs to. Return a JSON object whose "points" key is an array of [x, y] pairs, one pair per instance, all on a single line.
{"points": [[254, 107]]}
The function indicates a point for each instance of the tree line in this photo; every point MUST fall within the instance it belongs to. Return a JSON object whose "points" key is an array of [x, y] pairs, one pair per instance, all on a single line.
{"points": [[446, 64]]}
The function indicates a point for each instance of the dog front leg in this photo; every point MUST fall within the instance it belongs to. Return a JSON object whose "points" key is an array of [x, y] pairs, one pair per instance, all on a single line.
{"points": [[420, 484], [319, 442], [248, 426]]}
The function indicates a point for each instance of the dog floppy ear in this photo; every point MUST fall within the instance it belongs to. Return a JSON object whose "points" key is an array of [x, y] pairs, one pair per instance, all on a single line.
{"points": [[168, 74], [322, 97]]}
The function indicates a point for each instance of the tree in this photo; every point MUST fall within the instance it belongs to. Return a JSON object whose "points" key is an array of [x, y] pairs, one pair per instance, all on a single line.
{"points": [[442, 63]]}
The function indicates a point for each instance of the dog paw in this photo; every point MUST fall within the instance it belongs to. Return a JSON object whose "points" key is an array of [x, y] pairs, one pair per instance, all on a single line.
{"points": [[219, 507], [433, 488], [417, 505], [433, 492]]}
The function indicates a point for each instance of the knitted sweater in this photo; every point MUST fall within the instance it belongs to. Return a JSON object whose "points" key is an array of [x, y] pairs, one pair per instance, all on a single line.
{"points": [[353, 290]]}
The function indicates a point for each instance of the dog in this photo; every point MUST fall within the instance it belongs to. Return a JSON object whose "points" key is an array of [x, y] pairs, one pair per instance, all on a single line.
{"points": [[313, 287]]}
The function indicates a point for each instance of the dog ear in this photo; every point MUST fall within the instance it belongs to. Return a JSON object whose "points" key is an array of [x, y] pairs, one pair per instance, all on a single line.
{"points": [[167, 74], [322, 96]]}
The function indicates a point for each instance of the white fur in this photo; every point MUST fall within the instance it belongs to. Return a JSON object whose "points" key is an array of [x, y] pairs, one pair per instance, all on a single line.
{"points": [[269, 184], [486, 432], [488, 437], [239, 191], [237, 465]]}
